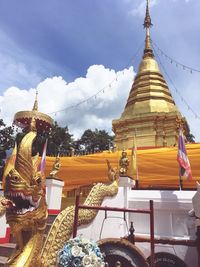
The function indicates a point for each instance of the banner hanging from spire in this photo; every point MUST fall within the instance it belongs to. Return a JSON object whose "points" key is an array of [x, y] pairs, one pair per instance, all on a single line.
{"points": [[182, 158]]}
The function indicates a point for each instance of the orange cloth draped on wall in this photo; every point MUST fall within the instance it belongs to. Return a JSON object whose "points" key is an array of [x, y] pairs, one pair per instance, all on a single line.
{"points": [[156, 167]]}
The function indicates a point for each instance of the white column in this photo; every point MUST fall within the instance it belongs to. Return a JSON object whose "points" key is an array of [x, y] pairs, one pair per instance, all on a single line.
{"points": [[54, 189], [3, 225]]}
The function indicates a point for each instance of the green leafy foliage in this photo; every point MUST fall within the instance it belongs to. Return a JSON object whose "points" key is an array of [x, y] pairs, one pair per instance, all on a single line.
{"points": [[190, 138], [94, 141], [6, 137], [6, 142], [59, 140]]}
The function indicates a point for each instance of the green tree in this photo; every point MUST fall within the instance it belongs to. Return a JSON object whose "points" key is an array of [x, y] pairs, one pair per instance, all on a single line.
{"points": [[88, 140], [59, 140], [6, 142], [103, 140], [97, 140], [6, 136], [190, 138]]}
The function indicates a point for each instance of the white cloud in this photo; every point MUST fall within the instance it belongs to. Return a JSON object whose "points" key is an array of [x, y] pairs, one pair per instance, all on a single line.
{"points": [[55, 94], [139, 10]]}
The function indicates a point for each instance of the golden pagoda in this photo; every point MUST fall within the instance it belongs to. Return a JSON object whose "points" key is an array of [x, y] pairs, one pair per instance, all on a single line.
{"points": [[150, 113]]}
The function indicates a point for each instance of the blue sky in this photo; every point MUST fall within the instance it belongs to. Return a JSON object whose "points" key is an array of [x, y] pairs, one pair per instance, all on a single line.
{"points": [[43, 40]]}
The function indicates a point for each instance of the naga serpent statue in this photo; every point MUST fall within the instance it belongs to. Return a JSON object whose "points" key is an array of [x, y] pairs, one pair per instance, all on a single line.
{"points": [[26, 209]]}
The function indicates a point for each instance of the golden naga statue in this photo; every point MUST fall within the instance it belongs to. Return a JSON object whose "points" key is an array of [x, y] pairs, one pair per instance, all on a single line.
{"points": [[123, 163], [26, 209], [56, 167]]}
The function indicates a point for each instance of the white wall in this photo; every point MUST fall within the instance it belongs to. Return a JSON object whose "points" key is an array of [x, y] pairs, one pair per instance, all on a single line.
{"points": [[171, 219], [3, 225]]}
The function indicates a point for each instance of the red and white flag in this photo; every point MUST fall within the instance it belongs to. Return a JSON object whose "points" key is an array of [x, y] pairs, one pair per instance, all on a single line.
{"points": [[182, 158], [43, 159]]}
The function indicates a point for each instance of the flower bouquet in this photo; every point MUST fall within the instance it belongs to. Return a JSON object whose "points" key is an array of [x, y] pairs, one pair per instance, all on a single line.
{"points": [[80, 252]]}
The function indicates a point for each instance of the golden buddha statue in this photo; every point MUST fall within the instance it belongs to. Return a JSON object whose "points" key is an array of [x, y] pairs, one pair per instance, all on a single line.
{"points": [[123, 163], [55, 168]]}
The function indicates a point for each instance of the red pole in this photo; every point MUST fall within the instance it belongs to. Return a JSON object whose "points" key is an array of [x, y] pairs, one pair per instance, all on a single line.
{"points": [[144, 211], [198, 244], [152, 233], [76, 216]]}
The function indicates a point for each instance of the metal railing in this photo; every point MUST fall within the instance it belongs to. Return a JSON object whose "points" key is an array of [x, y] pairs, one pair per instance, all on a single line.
{"points": [[149, 211]]}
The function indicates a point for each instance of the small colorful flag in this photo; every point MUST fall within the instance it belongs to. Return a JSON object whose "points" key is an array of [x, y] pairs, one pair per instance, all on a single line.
{"points": [[43, 159], [182, 158]]}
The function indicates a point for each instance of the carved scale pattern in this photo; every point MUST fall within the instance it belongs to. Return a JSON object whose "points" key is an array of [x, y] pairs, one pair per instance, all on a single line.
{"points": [[62, 227]]}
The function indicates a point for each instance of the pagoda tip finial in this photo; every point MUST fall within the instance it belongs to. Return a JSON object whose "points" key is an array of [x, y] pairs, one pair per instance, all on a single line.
{"points": [[147, 24], [35, 106], [147, 19]]}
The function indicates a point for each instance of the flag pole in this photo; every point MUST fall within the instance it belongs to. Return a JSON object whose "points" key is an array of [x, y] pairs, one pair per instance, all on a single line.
{"points": [[136, 163], [180, 181], [180, 147], [182, 158], [43, 158]]}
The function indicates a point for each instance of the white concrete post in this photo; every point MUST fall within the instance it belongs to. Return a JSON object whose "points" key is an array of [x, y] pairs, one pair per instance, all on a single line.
{"points": [[54, 189], [3, 226]]}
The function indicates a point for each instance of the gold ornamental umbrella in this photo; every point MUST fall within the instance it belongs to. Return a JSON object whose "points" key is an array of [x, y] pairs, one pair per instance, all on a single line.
{"points": [[23, 118]]}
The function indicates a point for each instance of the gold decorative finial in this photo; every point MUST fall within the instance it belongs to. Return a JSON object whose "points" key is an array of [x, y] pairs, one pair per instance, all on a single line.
{"points": [[33, 125], [35, 106], [147, 19], [147, 24], [43, 121]]}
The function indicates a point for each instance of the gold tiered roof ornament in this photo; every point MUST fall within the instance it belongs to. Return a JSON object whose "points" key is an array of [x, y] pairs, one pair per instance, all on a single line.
{"points": [[23, 118], [150, 110]]}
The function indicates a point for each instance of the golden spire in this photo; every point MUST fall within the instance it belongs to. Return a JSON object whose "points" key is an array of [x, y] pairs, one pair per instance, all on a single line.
{"points": [[35, 106], [150, 108], [147, 24]]}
